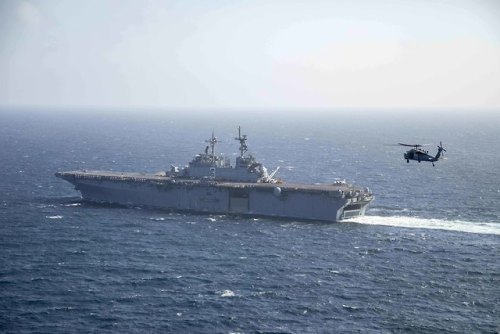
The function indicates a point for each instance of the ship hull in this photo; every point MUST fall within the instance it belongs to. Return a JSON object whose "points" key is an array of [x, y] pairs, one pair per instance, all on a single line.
{"points": [[303, 202]]}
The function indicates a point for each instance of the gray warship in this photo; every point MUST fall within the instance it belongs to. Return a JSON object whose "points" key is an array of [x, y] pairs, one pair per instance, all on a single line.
{"points": [[210, 184]]}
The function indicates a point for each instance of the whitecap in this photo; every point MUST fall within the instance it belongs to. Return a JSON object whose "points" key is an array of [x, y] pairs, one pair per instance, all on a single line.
{"points": [[263, 293], [227, 293], [54, 217], [212, 219], [42, 206]]}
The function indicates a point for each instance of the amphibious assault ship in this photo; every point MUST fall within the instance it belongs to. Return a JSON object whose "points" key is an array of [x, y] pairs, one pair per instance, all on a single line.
{"points": [[210, 184]]}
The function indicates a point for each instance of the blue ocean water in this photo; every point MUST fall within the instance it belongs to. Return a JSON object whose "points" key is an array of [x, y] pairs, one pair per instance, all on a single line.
{"points": [[425, 259]]}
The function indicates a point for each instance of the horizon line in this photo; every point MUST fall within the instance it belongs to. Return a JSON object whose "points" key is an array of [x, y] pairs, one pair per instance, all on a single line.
{"points": [[97, 108]]}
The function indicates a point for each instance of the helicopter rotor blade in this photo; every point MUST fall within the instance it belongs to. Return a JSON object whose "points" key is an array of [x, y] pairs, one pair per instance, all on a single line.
{"points": [[410, 145]]}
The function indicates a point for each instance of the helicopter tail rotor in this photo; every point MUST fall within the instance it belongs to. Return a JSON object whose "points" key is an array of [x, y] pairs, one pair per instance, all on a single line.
{"points": [[440, 147], [441, 150]]}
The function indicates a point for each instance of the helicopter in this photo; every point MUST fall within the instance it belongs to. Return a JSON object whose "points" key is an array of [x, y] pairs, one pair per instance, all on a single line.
{"points": [[419, 154]]}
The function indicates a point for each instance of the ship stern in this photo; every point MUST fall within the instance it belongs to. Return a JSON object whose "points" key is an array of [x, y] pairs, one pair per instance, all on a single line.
{"points": [[357, 203]]}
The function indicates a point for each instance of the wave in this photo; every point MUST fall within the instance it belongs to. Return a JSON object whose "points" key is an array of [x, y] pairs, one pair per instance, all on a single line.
{"points": [[423, 223]]}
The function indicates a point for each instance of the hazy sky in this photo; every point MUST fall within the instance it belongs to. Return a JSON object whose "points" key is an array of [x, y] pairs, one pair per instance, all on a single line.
{"points": [[252, 54]]}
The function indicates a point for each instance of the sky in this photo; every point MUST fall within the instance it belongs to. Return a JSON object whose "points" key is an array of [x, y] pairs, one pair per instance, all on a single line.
{"points": [[332, 54]]}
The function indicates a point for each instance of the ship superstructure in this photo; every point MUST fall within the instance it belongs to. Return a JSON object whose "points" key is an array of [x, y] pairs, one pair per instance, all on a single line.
{"points": [[211, 184], [209, 165]]}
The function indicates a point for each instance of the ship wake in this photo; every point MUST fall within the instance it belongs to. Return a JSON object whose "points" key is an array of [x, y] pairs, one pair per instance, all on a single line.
{"points": [[422, 223]]}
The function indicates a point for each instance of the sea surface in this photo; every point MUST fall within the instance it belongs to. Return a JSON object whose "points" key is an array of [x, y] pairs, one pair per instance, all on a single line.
{"points": [[425, 258]]}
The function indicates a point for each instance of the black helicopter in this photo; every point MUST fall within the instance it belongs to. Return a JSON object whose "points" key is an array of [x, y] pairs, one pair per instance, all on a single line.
{"points": [[419, 154]]}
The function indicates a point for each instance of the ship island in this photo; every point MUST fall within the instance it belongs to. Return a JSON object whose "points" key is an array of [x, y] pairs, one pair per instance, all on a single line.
{"points": [[209, 184]]}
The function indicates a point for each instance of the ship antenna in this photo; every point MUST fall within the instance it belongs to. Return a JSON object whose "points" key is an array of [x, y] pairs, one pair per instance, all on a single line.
{"points": [[212, 141], [242, 140]]}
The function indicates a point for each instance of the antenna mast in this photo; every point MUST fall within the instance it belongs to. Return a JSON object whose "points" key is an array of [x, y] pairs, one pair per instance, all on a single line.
{"points": [[242, 140], [212, 141]]}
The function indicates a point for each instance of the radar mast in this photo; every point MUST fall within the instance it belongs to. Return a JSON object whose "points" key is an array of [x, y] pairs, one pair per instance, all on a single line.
{"points": [[242, 140], [212, 141]]}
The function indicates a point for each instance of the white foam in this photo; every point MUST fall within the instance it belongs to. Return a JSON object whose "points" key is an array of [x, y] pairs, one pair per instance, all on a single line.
{"points": [[227, 293], [440, 224], [54, 217]]}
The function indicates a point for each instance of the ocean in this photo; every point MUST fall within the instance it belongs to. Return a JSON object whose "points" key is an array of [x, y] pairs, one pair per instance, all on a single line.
{"points": [[425, 258]]}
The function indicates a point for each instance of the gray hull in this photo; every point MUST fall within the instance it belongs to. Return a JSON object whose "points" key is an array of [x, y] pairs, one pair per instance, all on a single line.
{"points": [[324, 202]]}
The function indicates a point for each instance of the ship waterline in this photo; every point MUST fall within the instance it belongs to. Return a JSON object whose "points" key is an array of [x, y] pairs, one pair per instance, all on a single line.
{"points": [[211, 185]]}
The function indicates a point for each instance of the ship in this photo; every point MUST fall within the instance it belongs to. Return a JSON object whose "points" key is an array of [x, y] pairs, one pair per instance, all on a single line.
{"points": [[210, 184]]}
